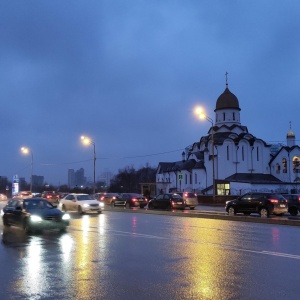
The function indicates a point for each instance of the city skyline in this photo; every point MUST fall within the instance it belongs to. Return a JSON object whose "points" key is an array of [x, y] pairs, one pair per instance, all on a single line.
{"points": [[128, 75]]}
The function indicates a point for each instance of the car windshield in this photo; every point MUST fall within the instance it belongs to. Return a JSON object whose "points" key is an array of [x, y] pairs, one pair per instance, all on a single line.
{"points": [[85, 197], [37, 204], [176, 196]]}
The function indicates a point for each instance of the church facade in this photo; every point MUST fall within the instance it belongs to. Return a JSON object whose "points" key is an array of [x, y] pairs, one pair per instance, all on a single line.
{"points": [[231, 161]]}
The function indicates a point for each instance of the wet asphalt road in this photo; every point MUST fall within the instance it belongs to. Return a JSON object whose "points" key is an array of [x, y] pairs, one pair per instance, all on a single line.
{"points": [[119, 255]]}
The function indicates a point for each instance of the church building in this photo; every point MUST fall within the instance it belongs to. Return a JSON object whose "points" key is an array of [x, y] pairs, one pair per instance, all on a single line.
{"points": [[231, 161]]}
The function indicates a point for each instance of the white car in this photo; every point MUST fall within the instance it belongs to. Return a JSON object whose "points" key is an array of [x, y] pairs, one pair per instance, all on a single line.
{"points": [[81, 203]]}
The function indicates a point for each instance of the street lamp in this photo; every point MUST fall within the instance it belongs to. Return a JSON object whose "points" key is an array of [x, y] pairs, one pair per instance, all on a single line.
{"points": [[201, 114], [26, 150], [87, 141]]}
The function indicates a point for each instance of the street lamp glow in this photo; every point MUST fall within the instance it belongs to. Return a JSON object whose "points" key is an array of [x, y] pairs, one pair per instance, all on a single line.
{"points": [[26, 150], [87, 141], [202, 115]]}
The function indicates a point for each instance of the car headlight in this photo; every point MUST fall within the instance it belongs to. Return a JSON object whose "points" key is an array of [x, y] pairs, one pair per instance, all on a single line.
{"points": [[66, 217], [101, 204], [35, 218], [85, 205]]}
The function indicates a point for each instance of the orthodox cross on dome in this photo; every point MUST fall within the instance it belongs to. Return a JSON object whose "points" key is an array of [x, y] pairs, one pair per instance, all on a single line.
{"points": [[226, 74], [290, 125]]}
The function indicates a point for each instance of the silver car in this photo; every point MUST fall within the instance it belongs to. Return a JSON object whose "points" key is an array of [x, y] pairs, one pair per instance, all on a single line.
{"points": [[81, 203], [191, 199]]}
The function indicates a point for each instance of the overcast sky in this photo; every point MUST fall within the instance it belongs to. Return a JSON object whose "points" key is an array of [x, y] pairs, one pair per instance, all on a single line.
{"points": [[128, 73]]}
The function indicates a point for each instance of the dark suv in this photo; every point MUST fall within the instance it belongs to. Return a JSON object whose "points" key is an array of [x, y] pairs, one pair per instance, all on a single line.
{"points": [[293, 203], [261, 203]]}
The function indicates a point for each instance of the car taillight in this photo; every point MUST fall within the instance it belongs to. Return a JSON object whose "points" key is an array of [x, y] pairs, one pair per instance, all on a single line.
{"points": [[185, 194], [114, 197], [274, 200], [134, 199], [299, 198], [102, 198], [48, 196]]}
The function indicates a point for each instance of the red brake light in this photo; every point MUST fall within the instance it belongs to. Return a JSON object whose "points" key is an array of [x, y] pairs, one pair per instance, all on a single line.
{"points": [[102, 198], [299, 198], [274, 200], [134, 199]]}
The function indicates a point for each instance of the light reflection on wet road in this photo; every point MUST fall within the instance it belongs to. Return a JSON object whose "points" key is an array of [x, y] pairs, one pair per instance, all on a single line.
{"points": [[120, 255]]}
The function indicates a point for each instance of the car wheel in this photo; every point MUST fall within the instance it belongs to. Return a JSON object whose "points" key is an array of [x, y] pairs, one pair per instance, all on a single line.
{"points": [[142, 206], [79, 210], [64, 208], [192, 208], [231, 211], [293, 211], [150, 206], [127, 205], [169, 207], [264, 213]]}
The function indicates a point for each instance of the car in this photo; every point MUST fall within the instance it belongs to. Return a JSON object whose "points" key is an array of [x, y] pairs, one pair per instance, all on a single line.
{"points": [[293, 203], [51, 196], [261, 203], [3, 197], [132, 200], [191, 199], [34, 214], [81, 203], [167, 201], [23, 194], [107, 198]]}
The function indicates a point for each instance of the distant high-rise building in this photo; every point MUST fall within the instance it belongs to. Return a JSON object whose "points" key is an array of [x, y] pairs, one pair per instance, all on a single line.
{"points": [[76, 178]]}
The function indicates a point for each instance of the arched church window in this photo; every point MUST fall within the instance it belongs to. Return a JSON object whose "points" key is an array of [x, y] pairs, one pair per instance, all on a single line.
{"points": [[233, 116], [223, 116], [296, 164], [277, 168], [227, 152], [243, 153], [284, 165]]}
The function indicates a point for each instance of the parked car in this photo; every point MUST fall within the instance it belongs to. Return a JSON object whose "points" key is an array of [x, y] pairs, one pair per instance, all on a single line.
{"points": [[167, 201], [34, 214], [51, 196], [23, 194], [81, 203], [107, 198], [133, 200], [261, 203], [293, 203], [191, 199], [118, 201]]}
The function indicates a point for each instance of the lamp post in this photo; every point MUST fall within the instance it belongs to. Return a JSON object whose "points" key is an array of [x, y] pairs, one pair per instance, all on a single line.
{"points": [[87, 141], [26, 151], [201, 114]]}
